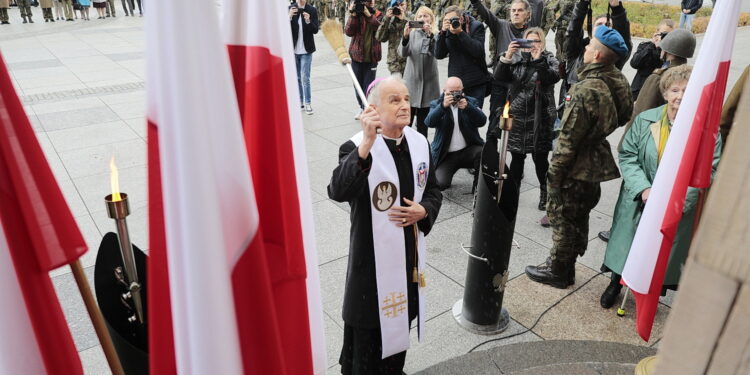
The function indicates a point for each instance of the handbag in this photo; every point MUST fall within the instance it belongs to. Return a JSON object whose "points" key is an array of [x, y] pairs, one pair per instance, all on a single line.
{"points": [[35, 3]]}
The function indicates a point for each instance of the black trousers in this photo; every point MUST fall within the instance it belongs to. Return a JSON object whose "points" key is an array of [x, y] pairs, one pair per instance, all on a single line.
{"points": [[477, 92], [468, 157], [361, 354], [365, 73], [541, 165], [421, 115], [498, 97]]}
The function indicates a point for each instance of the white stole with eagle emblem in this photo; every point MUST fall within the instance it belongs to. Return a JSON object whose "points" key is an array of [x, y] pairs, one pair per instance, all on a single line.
{"points": [[388, 239]]}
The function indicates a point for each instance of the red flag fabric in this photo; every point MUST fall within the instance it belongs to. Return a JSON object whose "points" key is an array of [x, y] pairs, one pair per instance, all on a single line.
{"points": [[687, 161], [40, 234]]}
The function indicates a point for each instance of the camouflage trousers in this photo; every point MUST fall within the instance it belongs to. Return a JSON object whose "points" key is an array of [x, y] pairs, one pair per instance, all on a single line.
{"points": [[560, 45], [25, 7], [570, 220]]}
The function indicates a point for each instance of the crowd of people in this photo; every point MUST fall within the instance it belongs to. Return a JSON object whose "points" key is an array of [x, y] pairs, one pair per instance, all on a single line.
{"points": [[392, 178], [67, 10]]}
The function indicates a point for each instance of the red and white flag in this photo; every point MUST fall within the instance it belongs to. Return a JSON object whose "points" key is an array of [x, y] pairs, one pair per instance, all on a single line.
{"points": [[37, 234], [227, 276], [687, 161], [259, 41]]}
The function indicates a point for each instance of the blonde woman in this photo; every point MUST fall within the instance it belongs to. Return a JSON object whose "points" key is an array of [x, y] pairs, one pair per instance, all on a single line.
{"points": [[531, 73], [421, 72], [640, 154]]}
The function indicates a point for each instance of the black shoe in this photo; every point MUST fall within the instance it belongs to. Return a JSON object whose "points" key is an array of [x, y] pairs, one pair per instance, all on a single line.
{"points": [[553, 273], [24, 20], [604, 235], [30, 20], [611, 292], [542, 200]]}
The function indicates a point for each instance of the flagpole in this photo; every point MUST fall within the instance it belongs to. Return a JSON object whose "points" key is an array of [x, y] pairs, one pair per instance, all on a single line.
{"points": [[702, 193], [97, 319]]}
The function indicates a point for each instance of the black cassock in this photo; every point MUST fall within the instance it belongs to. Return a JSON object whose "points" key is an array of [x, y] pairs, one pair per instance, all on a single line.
{"points": [[362, 347]]}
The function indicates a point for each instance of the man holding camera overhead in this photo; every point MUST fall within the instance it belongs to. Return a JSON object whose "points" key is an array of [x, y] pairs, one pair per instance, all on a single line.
{"points": [[457, 143], [391, 31], [462, 38]]}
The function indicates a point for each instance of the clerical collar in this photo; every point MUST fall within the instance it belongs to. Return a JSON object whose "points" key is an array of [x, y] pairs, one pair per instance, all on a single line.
{"points": [[398, 140]]}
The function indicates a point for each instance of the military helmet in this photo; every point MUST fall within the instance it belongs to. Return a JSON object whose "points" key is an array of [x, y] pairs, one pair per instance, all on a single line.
{"points": [[679, 42]]}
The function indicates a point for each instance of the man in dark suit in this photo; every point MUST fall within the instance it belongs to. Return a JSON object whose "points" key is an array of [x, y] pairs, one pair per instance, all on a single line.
{"points": [[457, 142], [389, 182]]}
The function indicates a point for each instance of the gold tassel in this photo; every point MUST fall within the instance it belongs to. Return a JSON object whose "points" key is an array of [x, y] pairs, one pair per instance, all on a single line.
{"points": [[422, 282]]}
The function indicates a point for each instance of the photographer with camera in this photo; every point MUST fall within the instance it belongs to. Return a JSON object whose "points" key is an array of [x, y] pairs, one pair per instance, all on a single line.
{"points": [[532, 72], [522, 16], [391, 31], [462, 38], [575, 45], [421, 74], [647, 57], [457, 144], [364, 48], [303, 18]]}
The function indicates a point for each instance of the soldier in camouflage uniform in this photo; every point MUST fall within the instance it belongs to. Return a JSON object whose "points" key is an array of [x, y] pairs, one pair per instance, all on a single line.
{"points": [[560, 25], [440, 6], [25, 7], [391, 31], [596, 106]]}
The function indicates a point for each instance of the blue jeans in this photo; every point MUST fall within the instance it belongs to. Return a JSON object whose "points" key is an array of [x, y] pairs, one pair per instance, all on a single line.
{"points": [[303, 76], [686, 21]]}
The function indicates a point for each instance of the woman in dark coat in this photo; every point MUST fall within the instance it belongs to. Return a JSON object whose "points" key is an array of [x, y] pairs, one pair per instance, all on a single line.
{"points": [[532, 74]]}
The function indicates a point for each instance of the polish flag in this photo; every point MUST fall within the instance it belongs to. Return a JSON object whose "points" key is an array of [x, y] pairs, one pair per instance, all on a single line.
{"points": [[37, 234], [259, 41], [227, 275], [202, 211], [686, 162]]}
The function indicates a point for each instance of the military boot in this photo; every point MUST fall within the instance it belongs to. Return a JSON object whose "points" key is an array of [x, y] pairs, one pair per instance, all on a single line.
{"points": [[24, 19], [554, 273], [611, 292]]}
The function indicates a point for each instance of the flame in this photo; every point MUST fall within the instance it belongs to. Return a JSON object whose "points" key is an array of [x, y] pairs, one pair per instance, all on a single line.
{"points": [[114, 180], [506, 109]]}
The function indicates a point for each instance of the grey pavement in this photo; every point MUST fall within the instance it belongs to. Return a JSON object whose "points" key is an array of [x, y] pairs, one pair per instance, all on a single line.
{"points": [[82, 86]]}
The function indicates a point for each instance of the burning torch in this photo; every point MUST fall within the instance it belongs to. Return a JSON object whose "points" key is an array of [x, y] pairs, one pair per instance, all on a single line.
{"points": [[118, 209]]}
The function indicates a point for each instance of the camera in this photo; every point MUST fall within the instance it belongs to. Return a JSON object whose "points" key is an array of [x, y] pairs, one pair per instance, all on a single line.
{"points": [[662, 35], [457, 96], [396, 11], [416, 24], [455, 22], [523, 43]]}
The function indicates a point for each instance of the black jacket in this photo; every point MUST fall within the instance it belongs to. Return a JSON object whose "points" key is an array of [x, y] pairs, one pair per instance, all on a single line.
{"points": [[466, 50], [646, 59], [441, 118], [576, 43], [308, 29], [349, 184], [693, 5], [532, 95]]}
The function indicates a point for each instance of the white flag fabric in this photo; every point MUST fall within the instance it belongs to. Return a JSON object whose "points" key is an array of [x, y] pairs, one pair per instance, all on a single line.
{"points": [[19, 351]]}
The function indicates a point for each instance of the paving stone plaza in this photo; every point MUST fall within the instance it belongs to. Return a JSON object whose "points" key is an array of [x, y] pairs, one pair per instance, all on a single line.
{"points": [[82, 86]]}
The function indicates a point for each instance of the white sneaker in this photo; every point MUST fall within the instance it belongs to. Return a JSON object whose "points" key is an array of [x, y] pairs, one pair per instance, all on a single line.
{"points": [[308, 109]]}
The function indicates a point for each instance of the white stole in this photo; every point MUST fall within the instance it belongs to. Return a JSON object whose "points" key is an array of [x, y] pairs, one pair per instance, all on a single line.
{"points": [[388, 239]]}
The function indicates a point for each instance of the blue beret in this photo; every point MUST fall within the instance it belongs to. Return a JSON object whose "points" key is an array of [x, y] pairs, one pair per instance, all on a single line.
{"points": [[393, 3], [612, 39]]}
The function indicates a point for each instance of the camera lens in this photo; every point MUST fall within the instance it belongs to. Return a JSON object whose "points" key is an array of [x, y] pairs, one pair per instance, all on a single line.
{"points": [[396, 11], [455, 23]]}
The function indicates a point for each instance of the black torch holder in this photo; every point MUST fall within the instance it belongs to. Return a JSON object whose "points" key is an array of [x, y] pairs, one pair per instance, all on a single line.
{"points": [[495, 207]]}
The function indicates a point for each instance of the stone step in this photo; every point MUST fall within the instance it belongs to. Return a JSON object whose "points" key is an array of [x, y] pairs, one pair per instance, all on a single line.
{"points": [[587, 368], [508, 359]]}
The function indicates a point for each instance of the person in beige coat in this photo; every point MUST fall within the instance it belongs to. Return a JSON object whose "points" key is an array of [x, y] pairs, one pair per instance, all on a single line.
{"points": [[4, 5], [46, 6]]}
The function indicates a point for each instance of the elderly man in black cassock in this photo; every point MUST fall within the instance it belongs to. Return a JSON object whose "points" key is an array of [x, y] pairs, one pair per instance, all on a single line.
{"points": [[389, 182]]}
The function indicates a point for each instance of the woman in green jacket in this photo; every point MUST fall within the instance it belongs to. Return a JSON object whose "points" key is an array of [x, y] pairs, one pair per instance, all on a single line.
{"points": [[642, 148]]}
